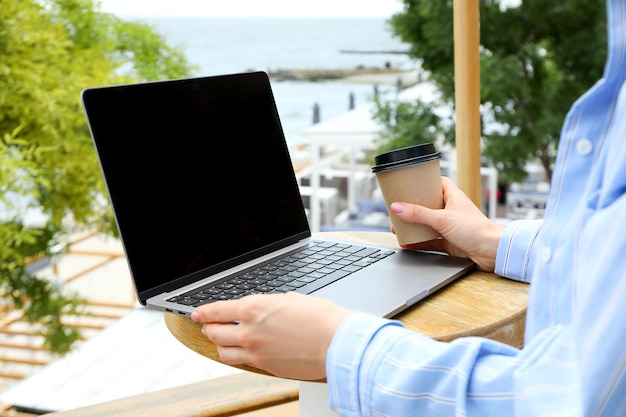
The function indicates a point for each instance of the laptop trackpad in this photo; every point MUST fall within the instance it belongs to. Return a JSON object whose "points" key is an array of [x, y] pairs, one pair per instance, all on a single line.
{"points": [[390, 286]]}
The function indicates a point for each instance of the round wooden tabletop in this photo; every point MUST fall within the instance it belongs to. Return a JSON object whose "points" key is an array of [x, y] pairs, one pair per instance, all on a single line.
{"points": [[478, 304]]}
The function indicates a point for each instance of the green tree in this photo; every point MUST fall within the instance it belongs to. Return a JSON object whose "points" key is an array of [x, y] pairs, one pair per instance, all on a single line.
{"points": [[49, 51], [537, 58]]}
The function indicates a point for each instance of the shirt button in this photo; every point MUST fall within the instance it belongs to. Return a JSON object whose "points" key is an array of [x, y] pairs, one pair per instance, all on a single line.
{"points": [[584, 146], [546, 254]]}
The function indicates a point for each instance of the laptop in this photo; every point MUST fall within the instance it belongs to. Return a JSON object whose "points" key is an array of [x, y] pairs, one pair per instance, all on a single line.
{"points": [[208, 206]]}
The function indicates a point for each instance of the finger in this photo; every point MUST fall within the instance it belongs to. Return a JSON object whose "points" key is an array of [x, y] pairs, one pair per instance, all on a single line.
{"points": [[447, 184], [232, 355], [414, 213], [431, 245], [221, 334], [217, 312]]}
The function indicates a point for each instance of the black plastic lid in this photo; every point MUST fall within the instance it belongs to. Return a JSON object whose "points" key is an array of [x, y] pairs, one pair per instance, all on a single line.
{"points": [[403, 157]]}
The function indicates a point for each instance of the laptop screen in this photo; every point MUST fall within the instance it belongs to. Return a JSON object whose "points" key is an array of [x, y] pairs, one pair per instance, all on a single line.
{"points": [[198, 172]]}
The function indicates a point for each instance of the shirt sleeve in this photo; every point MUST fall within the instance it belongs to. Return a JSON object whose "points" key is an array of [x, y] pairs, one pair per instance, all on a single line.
{"points": [[376, 367], [391, 371], [515, 256]]}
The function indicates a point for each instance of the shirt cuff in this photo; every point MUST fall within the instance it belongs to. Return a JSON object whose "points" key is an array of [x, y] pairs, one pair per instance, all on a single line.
{"points": [[514, 255]]}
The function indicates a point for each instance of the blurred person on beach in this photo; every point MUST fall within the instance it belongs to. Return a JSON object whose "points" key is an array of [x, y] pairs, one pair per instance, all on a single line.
{"points": [[574, 359]]}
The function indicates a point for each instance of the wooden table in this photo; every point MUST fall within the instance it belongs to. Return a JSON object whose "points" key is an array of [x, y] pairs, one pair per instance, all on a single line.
{"points": [[478, 304]]}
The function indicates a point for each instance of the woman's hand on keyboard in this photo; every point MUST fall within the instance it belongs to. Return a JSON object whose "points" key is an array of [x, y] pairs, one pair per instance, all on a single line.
{"points": [[286, 335]]}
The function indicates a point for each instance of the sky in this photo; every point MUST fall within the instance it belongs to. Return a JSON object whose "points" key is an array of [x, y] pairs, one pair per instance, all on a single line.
{"points": [[253, 8]]}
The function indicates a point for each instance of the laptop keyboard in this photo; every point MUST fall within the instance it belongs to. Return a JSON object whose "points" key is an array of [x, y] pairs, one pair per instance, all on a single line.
{"points": [[309, 269]]}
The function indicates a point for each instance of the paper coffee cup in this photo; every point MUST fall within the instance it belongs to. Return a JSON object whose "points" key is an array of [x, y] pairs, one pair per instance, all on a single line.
{"points": [[410, 175]]}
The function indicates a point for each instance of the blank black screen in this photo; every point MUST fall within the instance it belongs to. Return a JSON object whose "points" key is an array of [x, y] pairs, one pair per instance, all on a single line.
{"points": [[198, 173]]}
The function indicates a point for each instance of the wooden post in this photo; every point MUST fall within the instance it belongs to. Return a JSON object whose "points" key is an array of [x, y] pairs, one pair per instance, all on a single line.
{"points": [[467, 96]]}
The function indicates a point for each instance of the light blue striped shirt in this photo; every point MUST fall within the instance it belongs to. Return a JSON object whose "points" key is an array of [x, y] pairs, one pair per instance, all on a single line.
{"points": [[574, 359]]}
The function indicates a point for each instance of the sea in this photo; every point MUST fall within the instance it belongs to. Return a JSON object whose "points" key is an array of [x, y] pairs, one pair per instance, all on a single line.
{"points": [[230, 45]]}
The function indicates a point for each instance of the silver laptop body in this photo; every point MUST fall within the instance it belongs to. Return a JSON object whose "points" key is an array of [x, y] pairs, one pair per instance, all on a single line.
{"points": [[204, 192]]}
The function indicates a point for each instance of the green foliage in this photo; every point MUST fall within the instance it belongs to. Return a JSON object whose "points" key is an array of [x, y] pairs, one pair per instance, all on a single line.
{"points": [[49, 51], [41, 300], [537, 58], [408, 123]]}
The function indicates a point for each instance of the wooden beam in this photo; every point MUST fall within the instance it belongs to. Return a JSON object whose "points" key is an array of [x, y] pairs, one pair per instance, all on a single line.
{"points": [[11, 318], [70, 278], [221, 397], [96, 252], [467, 97], [111, 304], [12, 375], [10, 345], [22, 361]]}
